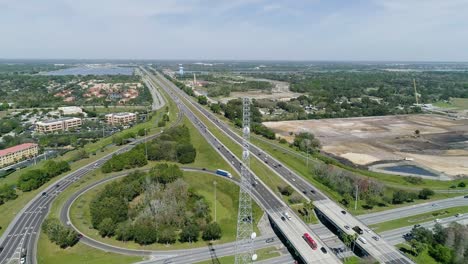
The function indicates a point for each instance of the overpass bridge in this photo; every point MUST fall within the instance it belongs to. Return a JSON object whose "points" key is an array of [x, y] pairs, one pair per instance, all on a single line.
{"points": [[369, 242]]}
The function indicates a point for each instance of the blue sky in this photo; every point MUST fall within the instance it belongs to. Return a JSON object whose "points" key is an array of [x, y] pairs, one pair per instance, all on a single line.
{"points": [[417, 30]]}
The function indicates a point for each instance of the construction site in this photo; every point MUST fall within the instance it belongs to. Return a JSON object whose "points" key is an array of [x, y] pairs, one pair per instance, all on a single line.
{"points": [[432, 146]]}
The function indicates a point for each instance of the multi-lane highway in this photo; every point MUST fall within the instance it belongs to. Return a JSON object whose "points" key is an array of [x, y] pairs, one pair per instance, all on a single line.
{"points": [[416, 209], [295, 229], [23, 232], [386, 254]]}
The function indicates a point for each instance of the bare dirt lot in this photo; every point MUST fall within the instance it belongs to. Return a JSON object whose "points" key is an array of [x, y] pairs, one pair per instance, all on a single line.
{"points": [[442, 144], [280, 91]]}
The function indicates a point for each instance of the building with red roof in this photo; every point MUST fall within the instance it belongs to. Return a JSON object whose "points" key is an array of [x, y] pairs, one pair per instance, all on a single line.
{"points": [[17, 153]]}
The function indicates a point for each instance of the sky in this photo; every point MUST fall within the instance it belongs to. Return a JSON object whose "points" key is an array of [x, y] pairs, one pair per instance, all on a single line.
{"points": [[360, 30]]}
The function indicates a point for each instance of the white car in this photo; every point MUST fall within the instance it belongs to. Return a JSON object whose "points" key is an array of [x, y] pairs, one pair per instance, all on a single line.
{"points": [[22, 260], [287, 215], [363, 240], [437, 220]]}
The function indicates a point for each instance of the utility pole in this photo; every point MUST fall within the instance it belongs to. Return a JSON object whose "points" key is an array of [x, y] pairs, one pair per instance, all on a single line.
{"points": [[355, 202], [214, 183]]}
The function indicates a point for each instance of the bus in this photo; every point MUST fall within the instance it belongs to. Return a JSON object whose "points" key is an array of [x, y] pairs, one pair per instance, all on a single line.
{"points": [[310, 241]]}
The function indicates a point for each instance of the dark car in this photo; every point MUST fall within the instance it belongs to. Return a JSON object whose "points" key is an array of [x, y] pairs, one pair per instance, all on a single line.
{"points": [[343, 211], [466, 196], [269, 240], [204, 169], [44, 194], [312, 191], [57, 185], [324, 250], [80, 235], [304, 192]]}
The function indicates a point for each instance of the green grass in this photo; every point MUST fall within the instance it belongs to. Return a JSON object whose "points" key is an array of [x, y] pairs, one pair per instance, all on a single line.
{"points": [[263, 254], [422, 258], [226, 208], [457, 103], [49, 253], [352, 260], [417, 219]]}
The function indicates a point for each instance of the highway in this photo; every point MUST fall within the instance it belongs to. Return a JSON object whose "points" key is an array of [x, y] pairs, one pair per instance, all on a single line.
{"points": [[23, 231], [380, 250], [416, 209], [262, 194]]}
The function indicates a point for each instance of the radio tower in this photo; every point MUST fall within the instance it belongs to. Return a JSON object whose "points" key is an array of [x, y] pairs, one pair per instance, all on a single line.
{"points": [[245, 233]]}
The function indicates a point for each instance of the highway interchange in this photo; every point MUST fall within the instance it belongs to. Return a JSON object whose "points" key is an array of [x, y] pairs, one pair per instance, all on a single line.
{"points": [[380, 250], [24, 229]]}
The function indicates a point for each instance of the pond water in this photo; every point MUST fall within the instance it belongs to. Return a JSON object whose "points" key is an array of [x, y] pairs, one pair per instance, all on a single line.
{"points": [[94, 70], [410, 169]]}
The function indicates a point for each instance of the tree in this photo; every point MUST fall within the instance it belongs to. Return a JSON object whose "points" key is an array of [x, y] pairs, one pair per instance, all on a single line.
{"points": [[441, 253], [417, 246], [141, 132], [215, 108], [462, 185], [212, 232], [189, 233], [285, 190], [167, 235], [144, 233], [186, 153], [124, 231], [106, 227], [371, 201], [425, 193], [202, 100]]}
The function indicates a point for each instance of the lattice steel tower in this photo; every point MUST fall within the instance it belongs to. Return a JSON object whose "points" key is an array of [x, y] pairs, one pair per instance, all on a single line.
{"points": [[245, 233]]}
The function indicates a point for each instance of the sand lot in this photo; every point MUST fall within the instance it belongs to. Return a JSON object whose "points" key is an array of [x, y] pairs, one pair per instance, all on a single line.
{"points": [[441, 146]]}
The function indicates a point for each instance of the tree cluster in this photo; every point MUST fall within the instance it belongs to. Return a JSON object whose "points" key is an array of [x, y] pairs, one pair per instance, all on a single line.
{"points": [[7, 193], [306, 142], [131, 159], [446, 245], [59, 234], [166, 210], [33, 179], [173, 145]]}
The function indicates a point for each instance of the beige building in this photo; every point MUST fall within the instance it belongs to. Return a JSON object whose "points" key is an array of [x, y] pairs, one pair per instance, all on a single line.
{"points": [[70, 110], [61, 124], [120, 118], [14, 154]]}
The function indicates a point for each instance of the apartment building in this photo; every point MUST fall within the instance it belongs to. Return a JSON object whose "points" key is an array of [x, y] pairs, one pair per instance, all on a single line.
{"points": [[14, 154], [61, 124], [120, 118]]}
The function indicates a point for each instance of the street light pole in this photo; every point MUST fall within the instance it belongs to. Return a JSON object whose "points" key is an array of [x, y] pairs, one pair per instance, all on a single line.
{"points": [[214, 183], [146, 145], [355, 202]]}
